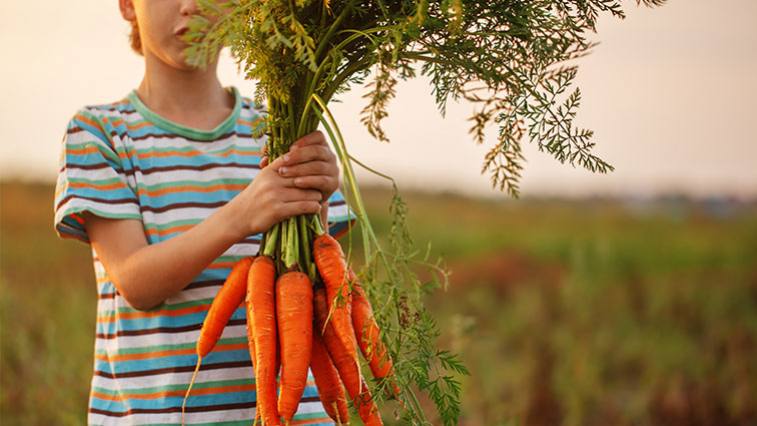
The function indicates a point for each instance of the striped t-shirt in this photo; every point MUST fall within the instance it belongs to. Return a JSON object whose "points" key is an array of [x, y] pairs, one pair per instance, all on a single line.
{"points": [[122, 160]]}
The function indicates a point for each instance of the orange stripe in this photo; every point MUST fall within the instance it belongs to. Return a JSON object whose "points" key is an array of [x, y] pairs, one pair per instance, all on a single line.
{"points": [[164, 394], [77, 218], [193, 188], [81, 151], [221, 265], [117, 185], [120, 121], [94, 124], [144, 155], [91, 149], [163, 232], [204, 391], [138, 125], [195, 153], [171, 352], [154, 314]]}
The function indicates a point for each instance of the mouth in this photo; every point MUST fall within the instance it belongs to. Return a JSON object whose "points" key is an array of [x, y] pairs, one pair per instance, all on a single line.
{"points": [[181, 31]]}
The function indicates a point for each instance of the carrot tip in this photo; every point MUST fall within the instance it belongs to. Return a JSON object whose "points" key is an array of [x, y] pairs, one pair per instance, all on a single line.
{"points": [[189, 389]]}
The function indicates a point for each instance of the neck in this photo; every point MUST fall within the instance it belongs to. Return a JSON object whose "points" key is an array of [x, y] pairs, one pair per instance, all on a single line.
{"points": [[186, 91]]}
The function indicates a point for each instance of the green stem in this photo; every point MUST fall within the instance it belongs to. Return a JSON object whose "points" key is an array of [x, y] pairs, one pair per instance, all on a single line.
{"points": [[317, 225], [312, 81], [305, 246], [376, 172], [271, 239], [351, 182], [327, 37], [353, 68]]}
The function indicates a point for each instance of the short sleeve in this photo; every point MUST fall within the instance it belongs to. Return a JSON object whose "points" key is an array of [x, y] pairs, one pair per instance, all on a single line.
{"points": [[90, 178], [340, 217]]}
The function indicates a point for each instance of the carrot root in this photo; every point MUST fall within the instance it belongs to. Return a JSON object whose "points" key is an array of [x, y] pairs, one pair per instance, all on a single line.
{"points": [[189, 389], [347, 366], [294, 312], [368, 335], [327, 382], [260, 289]]}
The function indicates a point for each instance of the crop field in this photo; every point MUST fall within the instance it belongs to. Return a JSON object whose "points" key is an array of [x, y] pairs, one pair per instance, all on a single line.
{"points": [[593, 312]]}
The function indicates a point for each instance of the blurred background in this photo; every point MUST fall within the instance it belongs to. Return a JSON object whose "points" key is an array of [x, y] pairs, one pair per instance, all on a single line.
{"points": [[620, 299]]}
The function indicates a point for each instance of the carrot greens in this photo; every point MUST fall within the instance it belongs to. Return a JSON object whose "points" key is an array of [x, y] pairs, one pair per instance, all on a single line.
{"points": [[514, 60]]}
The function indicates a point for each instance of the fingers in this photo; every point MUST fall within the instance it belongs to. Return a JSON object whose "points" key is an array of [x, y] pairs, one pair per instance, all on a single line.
{"points": [[324, 184], [264, 156], [314, 152], [277, 163], [309, 168], [289, 195], [313, 138], [295, 208]]}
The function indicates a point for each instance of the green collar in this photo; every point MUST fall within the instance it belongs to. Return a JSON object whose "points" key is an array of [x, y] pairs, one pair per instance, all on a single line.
{"points": [[189, 132]]}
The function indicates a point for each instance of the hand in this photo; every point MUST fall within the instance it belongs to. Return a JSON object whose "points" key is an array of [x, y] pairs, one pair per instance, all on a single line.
{"points": [[312, 165], [269, 199]]}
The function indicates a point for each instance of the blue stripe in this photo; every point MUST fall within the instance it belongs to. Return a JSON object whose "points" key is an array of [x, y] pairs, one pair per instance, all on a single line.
{"points": [[171, 321], [214, 357], [111, 194], [192, 401], [94, 131], [93, 158]]}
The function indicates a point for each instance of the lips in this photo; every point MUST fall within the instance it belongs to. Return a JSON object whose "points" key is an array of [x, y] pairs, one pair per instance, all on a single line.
{"points": [[181, 31]]}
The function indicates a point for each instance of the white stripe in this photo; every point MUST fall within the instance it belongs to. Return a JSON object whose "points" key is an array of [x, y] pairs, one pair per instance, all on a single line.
{"points": [[94, 174], [199, 176], [156, 339], [146, 143], [195, 418], [68, 207], [123, 384]]}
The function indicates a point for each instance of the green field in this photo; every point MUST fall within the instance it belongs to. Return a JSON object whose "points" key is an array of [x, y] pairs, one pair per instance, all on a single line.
{"points": [[577, 313]]}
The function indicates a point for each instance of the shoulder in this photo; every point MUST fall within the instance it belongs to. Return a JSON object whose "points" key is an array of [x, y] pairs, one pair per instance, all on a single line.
{"points": [[100, 119]]}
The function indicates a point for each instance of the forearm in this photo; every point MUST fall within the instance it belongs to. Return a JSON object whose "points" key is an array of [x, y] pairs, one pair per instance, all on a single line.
{"points": [[155, 272]]}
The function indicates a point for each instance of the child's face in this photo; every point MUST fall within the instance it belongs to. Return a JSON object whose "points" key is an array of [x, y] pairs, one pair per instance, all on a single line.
{"points": [[160, 25]]}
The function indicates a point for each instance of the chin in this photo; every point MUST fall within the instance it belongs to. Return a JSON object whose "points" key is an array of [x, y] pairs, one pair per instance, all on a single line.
{"points": [[179, 62]]}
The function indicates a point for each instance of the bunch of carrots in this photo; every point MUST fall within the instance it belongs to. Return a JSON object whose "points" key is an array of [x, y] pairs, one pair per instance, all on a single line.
{"points": [[294, 323]]}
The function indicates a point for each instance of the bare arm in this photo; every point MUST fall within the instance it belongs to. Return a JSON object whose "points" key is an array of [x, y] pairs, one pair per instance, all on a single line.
{"points": [[146, 274]]}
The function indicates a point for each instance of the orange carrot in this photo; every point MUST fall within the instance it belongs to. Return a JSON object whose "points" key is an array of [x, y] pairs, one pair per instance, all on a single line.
{"points": [[332, 268], [368, 334], [366, 408], [330, 389], [228, 299], [250, 339], [294, 311], [260, 292], [346, 365], [225, 303]]}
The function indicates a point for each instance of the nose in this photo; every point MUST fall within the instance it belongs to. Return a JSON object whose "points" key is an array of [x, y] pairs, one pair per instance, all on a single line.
{"points": [[188, 7]]}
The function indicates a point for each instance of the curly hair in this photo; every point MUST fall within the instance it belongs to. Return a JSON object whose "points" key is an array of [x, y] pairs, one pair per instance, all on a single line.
{"points": [[136, 42]]}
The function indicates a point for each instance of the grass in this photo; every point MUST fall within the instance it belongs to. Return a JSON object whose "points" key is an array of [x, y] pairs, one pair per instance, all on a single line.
{"points": [[579, 313]]}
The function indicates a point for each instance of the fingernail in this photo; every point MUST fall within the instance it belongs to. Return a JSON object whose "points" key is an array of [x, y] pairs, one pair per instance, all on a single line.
{"points": [[282, 170], [286, 158]]}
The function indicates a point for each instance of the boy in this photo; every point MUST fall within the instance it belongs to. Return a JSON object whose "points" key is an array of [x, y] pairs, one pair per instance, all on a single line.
{"points": [[168, 187]]}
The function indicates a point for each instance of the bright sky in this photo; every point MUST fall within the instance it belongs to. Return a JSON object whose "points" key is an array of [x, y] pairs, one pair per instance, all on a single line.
{"points": [[669, 93]]}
